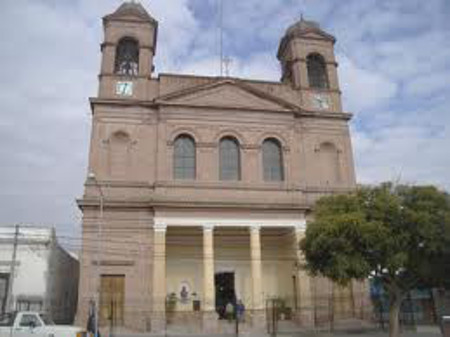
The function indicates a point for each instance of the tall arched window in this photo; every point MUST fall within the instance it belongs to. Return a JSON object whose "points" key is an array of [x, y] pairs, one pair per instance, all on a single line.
{"points": [[317, 71], [229, 159], [127, 57], [272, 160], [184, 158]]}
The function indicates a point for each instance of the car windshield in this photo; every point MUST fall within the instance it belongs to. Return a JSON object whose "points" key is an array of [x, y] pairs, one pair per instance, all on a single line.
{"points": [[46, 319]]}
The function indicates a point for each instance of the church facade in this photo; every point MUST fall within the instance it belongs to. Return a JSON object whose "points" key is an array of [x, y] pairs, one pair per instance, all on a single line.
{"points": [[201, 187]]}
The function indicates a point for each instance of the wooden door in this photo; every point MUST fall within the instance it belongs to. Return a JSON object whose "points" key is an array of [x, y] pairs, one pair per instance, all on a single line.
{"points": [[112, 295]]}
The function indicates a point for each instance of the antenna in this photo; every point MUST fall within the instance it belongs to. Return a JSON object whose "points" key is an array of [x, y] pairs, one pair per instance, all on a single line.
{"points": [[226, 65], [221, 35]]}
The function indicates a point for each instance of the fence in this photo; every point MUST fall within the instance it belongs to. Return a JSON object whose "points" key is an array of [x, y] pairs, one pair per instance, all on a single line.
{"points": [[283, 315]]}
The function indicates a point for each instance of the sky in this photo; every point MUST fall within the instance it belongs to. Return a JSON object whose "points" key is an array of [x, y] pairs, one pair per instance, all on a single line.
{"points": [[394, 72]]}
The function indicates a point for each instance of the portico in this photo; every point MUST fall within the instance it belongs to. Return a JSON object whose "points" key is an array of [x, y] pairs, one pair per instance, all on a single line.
{"points": [[192, 253]]}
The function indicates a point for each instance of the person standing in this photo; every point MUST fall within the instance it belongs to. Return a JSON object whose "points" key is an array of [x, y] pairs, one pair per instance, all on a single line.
{"points": [[91, 322], [240, 311], [229, 310]]}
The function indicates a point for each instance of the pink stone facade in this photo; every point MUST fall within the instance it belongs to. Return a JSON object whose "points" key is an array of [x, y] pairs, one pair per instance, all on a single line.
{"points": [[135, 197]]}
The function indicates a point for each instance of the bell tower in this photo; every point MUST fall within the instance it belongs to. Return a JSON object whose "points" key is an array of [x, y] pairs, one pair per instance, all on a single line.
{"points": [[308, 64], [129, 46]]}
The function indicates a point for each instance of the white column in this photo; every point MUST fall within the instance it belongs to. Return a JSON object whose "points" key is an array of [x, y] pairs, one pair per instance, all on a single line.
{"points": [[159, 278], [255, 252], [209, 301], [305, 294]]}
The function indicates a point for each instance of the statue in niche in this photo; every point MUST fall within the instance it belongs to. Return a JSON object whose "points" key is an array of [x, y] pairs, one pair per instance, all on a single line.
{"points": [[184, 292]]}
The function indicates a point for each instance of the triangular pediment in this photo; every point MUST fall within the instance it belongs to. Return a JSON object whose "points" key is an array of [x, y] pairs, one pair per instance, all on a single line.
{"points": [[229, 94]]}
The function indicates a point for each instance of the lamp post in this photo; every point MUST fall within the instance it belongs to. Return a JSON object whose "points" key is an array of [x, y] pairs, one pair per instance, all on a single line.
{"points": [[92, 177]]}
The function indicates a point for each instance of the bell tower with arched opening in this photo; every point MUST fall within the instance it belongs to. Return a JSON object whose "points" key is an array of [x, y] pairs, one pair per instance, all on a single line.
{"points": [[308, 64], [127, 52]]}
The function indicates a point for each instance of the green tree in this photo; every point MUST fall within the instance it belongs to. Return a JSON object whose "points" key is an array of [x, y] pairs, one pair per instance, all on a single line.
{"points": [[399, 234]]}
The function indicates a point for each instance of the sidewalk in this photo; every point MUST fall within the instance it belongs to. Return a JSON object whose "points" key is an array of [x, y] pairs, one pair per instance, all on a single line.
{"points": [[421, 331]]}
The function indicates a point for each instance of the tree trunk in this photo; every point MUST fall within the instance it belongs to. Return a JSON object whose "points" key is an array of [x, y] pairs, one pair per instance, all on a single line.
{"points": [[395, 301]]}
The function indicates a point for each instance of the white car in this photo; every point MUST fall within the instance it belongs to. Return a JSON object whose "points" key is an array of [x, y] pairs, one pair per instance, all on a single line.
{"points": [[34, 324]]}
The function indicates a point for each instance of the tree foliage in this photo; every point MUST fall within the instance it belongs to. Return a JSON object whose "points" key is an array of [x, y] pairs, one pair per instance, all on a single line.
{"points": [[399, 234]]}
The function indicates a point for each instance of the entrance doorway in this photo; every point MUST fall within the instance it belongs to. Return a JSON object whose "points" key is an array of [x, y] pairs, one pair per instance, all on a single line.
{"points": [[224, 283], [112, 294]]}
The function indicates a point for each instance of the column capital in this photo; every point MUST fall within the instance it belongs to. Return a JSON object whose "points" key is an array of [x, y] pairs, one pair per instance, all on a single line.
{"points": [[208, 227], [301, 226], [255, 228], [160, 227]]}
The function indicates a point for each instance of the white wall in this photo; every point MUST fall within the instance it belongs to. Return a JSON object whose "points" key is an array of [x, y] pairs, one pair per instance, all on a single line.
{"points": [[31, 269], [44, 271]]}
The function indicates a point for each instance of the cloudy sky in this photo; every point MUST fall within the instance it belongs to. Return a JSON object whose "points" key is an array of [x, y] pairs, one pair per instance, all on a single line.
{"points": [[394, 68]]}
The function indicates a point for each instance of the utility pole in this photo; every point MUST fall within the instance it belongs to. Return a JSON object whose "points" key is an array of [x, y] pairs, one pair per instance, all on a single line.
{"points": [[93, 178], [12, 269]]}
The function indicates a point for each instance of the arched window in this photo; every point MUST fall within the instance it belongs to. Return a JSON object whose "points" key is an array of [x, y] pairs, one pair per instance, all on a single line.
{"points": [[329, 164], [317, 71], [184, 158], [127, 57], [229, 159], [272, 160]]}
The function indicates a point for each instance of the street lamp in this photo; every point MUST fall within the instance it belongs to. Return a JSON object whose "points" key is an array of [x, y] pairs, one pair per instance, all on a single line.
{"points": [[92, 177]]}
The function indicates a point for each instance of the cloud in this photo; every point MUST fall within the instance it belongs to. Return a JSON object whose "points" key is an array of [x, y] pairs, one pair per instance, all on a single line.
{"points": [[364, 89], [409, 153], [394, 68], [428, 84]]}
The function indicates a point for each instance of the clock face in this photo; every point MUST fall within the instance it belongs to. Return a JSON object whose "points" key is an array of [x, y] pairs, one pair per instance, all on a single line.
{"points": [[124, 88], [320, 101]]}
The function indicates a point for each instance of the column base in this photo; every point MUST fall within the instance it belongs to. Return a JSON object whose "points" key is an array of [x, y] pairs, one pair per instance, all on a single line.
{"points": [[158, 323], [209, 322], [258, 320], [305, 318]]}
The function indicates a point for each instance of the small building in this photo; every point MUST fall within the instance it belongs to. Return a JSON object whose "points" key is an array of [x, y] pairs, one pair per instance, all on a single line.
{"points": [[45, 274]]}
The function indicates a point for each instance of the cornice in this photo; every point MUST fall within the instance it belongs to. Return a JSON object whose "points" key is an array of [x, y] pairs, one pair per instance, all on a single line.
{"points": [[129, 102], [302, 59], [125, 77], [180, 203], [152, 104], [112, 44], [324, 90], [325, 114], [170, 202]]}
